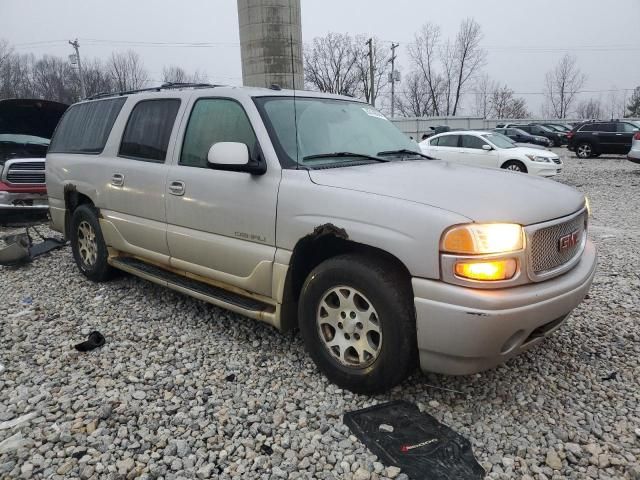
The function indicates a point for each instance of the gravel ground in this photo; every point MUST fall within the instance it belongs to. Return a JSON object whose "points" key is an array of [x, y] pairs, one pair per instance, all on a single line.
{"points": [[186, 390]]}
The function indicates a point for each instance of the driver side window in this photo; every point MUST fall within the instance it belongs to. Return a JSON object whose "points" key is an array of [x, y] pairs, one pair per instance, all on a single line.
{"points": [[215, 120]]}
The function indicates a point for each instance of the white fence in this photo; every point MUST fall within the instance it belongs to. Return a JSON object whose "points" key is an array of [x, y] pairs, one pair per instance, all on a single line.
{"points": [[417, 126]]}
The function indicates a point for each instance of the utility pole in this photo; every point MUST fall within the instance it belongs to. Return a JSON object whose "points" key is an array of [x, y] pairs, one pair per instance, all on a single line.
{"points": [[76, 46], [372, 97], [393, 79]]}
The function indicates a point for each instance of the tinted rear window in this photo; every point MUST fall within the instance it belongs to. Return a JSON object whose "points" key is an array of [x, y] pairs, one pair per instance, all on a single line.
{"points": [[85, 127], [146, 136]]}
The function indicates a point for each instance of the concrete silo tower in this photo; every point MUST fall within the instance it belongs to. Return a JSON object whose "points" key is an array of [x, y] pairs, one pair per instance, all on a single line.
{"points": [[270, 35]]}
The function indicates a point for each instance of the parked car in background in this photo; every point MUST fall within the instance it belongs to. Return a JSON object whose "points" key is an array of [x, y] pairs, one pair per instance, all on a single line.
{"points": [[491, 150], [591, 139], [520, 136], [26, 127], [634, 153], [556, 139], [326, 220], [560, 127]]}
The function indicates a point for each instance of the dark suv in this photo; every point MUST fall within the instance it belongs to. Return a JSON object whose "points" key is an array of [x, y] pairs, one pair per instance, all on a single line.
{"points": [[591, 139]]}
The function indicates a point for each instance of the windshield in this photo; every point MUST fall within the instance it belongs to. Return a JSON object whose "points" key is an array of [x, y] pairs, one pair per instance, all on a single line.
{"points": [[328, 126], [23, 139], [22, 146], [499, 140]]}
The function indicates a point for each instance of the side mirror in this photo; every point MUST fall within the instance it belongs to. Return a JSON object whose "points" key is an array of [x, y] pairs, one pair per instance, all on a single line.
{"points": [[233, 156], [487, 147]]}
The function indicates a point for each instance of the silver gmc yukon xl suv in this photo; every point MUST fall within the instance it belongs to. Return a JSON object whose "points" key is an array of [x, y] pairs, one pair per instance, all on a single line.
{"points": [[314, 211]]}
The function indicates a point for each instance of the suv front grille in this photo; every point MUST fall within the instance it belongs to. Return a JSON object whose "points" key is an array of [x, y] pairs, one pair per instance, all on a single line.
{"points": [[545, 253], [27, 172], [556, 160]]}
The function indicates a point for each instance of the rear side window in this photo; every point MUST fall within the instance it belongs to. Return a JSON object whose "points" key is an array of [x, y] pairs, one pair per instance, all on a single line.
{"points": [[627, 127], [449, 141], [215, 120], [146, 136], [85, 127], [434, 142]]}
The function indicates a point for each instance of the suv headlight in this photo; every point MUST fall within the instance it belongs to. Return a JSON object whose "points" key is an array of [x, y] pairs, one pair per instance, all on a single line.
{"points": [[537, 158], [482, 252]]}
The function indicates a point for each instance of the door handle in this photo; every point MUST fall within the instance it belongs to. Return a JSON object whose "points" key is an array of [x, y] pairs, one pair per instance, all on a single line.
{"points": [[618, 134], [117, 180], [176, 188]]}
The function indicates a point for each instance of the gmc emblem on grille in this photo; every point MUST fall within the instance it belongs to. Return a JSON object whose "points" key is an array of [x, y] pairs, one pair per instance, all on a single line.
{"points": [[569, 241]]}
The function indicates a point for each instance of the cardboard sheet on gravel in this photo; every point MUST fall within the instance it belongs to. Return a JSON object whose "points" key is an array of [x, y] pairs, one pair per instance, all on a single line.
{"points": [[420, 445]]}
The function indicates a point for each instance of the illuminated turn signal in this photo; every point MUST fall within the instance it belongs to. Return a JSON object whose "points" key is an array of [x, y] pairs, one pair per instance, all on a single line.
{"points": [[489, 270], [486, 238]]}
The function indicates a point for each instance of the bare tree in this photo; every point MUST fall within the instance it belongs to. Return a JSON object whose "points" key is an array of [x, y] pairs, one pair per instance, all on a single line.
{"points": [[331, 64], [127, 71], [96, 77], [424, 55], [469, 57], [589, 109], [415, 99], [504, 104], [563, 83], [15, 76], [381, 67], [54, 78], [175, 74], [483, 87]]}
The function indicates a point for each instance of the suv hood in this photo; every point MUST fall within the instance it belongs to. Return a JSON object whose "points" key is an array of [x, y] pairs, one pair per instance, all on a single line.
{"points": [[480, 194]]}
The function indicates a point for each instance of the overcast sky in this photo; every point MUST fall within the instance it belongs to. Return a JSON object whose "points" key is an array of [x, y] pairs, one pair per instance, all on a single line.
{"points": [[523, 39]]}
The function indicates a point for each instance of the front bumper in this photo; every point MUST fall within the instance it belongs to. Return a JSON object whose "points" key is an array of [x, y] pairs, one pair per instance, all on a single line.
{"points": [[462, 330], [23, 201]]}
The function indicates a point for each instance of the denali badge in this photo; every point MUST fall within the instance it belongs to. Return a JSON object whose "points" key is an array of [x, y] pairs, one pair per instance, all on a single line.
{"points": [[569, 241]]}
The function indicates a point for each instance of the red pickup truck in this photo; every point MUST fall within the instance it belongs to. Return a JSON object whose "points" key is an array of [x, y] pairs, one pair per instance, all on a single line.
{"points": [[26, 126]]}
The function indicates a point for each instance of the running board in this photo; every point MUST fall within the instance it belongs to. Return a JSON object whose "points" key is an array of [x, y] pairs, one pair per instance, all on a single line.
{"points": [[236, 302]]}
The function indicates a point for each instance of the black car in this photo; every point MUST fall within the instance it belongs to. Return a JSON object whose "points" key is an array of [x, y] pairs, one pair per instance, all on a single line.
{"points": [[520, 136], [555, 138], [591, 139]]}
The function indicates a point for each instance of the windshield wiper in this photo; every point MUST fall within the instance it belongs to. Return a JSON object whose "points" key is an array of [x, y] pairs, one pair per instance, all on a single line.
{"points": [[405, 151], [343, 154]]}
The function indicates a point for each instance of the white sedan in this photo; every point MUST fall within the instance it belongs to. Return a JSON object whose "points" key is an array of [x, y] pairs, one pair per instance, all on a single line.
{"points": [[491, 150]]}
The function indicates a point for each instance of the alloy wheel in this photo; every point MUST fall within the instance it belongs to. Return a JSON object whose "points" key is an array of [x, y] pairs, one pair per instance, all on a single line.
{"points": [[349, 326], [584, 151], [87, 244]]}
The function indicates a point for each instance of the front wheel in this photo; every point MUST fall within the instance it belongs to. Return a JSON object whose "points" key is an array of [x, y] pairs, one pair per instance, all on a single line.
{"points": [[357, 320], [552, 143], [88, 246], [515, 166]]}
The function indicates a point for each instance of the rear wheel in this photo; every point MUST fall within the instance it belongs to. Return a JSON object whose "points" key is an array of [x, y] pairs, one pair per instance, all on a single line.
{"points": [[88, 246], [357, 320], [552, 143], [584, 150], [515, 165]]}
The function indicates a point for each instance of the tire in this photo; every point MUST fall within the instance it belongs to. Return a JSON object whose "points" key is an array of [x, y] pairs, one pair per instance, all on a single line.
{"points": [[87, 244], [584, 150], [515, 166], [372, 297], [552, 143]]}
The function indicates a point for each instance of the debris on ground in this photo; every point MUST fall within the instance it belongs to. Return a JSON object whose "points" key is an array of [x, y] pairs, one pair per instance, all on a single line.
{"points": [[95, 340]]}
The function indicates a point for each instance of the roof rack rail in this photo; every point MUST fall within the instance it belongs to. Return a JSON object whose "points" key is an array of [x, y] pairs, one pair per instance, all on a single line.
{"points": [[164, 86]]}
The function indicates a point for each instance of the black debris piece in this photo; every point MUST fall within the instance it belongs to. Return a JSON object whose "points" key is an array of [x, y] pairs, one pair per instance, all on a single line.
{"points": [[611, 376], [420, 445], [19, 249], [231, 377], [266, 449], [95, 340]]}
